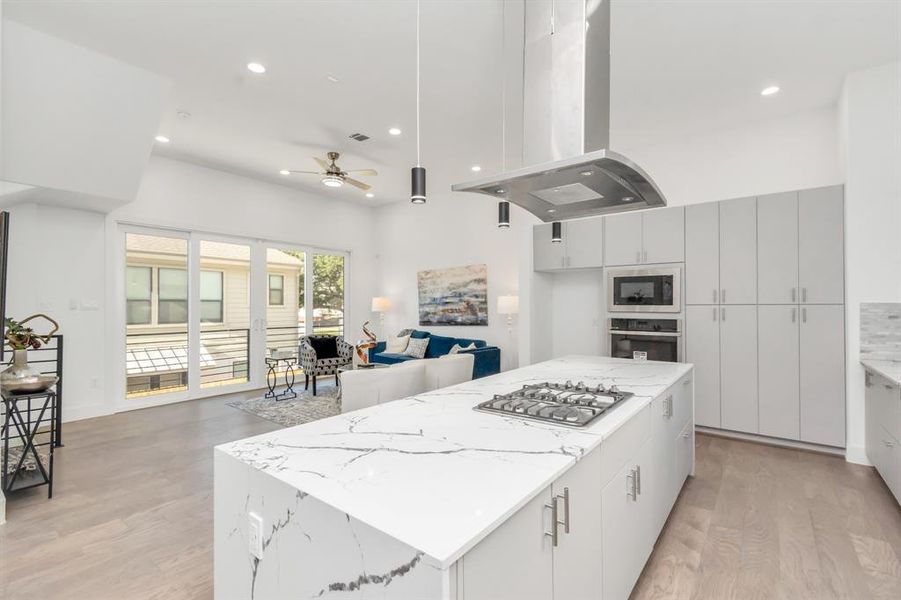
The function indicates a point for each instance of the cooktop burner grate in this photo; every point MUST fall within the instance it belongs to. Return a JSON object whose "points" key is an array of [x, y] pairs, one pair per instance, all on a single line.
{"points": [[558, 403]]}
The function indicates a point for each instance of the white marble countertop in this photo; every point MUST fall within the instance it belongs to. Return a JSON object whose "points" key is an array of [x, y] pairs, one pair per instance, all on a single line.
{"points": [[890, 369], [431, 472]]}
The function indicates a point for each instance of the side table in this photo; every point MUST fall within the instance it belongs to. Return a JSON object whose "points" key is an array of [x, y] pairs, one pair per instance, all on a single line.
{"points": [[29, 419], [273, 362]]}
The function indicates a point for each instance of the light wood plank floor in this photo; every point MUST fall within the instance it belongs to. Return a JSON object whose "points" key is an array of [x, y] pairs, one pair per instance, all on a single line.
{"points": [[131, 518]]}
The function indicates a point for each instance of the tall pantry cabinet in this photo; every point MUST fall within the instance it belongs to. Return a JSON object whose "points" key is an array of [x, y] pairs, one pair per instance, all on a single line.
{"points": [[764, 282]]}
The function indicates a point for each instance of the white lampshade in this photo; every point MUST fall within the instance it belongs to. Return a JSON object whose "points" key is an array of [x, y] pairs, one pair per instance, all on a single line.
{"points": [[508, 305], [381, 304]]}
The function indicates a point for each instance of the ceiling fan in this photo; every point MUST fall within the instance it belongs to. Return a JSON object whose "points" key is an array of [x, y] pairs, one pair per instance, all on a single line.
{"points": [[334, 176]]}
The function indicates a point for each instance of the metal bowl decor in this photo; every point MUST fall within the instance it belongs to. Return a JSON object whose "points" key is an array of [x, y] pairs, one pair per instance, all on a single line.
{"points": [[20, 378]]}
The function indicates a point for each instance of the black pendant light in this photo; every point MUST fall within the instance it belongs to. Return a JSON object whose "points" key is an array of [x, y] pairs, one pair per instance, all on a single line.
{"points": [[417, 193], [503, 214], [556, 232]]}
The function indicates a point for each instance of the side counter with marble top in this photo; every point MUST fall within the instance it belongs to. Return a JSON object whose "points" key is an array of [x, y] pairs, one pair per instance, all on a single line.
{"points": [[425, 498]]}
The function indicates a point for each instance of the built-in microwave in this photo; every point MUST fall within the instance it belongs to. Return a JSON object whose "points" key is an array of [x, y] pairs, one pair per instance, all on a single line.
{"points": [[644, 290]]}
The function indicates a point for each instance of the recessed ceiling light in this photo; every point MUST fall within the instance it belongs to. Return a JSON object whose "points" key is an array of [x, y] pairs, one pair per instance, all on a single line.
{"points": [[499, 191], [552, 210], [476, 168], [769, 91], [331, 78], [162, 139], [370, 195], [626, 199], [284, 172], [394, 131], [257, 68], [587, 173]]}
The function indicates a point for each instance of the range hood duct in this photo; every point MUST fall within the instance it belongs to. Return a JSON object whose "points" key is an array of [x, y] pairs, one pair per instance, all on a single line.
{"points": [[566, 121]]}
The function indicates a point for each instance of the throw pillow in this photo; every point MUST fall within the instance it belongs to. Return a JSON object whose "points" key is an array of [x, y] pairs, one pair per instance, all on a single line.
{"points": [[405, 333], [457, 348], [396, 344], [416, 347], [325, 346]]}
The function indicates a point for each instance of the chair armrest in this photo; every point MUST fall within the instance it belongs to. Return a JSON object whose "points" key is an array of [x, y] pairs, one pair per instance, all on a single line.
{"points": [[345, 349], [487, 361], [307, 355], [379, 347]]}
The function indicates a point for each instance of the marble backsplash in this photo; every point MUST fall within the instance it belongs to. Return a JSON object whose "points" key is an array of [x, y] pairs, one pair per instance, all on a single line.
{"points": [[880, 330]]}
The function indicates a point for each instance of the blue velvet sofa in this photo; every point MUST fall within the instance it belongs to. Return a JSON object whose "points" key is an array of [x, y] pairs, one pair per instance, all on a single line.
{"points": [[487, 358]]}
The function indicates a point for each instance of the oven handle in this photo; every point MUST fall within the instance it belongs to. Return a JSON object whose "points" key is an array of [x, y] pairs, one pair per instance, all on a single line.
{"points": [[645, 333]]}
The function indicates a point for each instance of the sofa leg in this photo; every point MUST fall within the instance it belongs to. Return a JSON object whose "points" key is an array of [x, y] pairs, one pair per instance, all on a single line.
{"points": [[314, 385], [306, 384]]}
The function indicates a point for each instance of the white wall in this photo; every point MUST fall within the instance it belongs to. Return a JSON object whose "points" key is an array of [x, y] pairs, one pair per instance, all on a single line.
{"points": [[451, 230], [870, 126]]}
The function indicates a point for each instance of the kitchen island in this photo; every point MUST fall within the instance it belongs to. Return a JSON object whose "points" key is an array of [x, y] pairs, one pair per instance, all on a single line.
{"points": [[426, 498]]}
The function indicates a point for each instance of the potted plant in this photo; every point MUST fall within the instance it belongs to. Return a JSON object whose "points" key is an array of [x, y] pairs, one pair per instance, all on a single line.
{"points": [[20, 378]]}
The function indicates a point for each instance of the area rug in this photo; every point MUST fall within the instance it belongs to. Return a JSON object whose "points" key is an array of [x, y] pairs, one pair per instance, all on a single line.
{"points": [[287, 413]]}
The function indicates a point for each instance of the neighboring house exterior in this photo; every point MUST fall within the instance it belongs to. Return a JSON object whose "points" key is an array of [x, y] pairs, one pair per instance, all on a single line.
{"points": [[157, 307]]}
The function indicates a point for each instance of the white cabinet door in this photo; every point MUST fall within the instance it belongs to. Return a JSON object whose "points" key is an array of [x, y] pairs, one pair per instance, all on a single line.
{"points": [[515, 560], [702, 253], [584, 241], [823, 374], [663, 235], [576, 572], [546, 255], [685, 449], [702, 349], [662, 441], [777, 248], [821, 245], [778, 372], [738, 251], [738, 368], [626, 520], [622, 239]]}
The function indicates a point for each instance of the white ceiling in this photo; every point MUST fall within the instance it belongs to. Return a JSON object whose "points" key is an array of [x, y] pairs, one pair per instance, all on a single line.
{"points": [[680, 67]]}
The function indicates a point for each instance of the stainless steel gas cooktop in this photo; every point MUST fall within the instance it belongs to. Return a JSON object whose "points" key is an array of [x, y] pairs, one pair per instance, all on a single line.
{"points": [[558, 403]]}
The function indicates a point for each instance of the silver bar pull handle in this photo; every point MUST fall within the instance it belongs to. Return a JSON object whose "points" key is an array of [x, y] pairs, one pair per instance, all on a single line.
{"points": [[714, 313], [888, 387], [631, 489], [889, 443], [714, 296], [565, 509], [794, 315], [554, 521], [723, 314], [867, 379], [803, 315], [723, 295], [804, 294], [638, 479], [794, 294]]}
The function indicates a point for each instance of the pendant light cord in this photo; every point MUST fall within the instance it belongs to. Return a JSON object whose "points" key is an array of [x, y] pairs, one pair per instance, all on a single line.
{"points": [[504, 86], [418, 26]]}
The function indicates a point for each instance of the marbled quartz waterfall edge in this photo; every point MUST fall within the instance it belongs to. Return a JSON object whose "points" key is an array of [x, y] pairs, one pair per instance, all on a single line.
{"points": [[407, 487]]}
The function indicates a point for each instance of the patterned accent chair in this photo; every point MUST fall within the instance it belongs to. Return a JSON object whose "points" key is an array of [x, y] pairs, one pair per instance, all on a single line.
{"points": [[313, 366]]}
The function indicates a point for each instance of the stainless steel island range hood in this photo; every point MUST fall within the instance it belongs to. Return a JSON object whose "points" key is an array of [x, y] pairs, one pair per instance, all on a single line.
{"points": [[566, 121]]}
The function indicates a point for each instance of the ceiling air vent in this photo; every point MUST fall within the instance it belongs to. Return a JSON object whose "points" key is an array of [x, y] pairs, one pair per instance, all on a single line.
{"points": [[359, 137]]}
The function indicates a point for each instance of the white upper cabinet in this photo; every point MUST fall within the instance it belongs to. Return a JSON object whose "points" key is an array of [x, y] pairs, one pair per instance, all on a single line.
{"points": [[702, 253], [546, 255], [584, 241], [663, 235], [823, 375], [821, 245], [738, 251], [582, 246], [622, 239], [647, 237], [777, 248]]}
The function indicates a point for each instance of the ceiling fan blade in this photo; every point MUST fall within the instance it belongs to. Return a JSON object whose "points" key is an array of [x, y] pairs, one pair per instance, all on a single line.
{"points": [[357, 184], [322, 163], [307, 172], [367, 172]]}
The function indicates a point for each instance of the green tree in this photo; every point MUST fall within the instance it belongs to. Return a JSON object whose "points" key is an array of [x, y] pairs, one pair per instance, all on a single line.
{"points": [[328, 281]]}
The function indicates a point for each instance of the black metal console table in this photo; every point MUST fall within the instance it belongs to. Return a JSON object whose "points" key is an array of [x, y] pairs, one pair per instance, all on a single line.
{"points": [[273, 362], [30, 420]]}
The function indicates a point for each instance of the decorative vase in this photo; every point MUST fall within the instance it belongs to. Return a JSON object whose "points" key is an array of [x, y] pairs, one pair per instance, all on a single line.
{"points": [[21, 378]]}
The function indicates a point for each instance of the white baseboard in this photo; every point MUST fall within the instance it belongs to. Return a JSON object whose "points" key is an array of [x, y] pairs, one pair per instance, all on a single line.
{"points": [[770, 441], [857, 455], [89, 411]]}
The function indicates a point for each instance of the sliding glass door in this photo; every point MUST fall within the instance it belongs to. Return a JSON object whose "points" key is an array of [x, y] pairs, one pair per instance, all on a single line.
{"points": [[202, 312]]}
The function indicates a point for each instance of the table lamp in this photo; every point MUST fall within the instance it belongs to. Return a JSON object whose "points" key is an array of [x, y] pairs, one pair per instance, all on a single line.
{"points": [[381, 305], [508, 305]]}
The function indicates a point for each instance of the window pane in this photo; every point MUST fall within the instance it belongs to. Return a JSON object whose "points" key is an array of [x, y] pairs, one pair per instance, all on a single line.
{"points": [[210, 311], [173, 312], [210, 285], [173, 284], [137, 312], [284, 315], [328, 294], [277, 290], [137, 283]]}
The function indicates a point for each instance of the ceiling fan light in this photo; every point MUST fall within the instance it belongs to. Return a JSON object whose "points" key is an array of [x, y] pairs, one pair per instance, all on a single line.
{"points": [[332, 181], [417, 193]]}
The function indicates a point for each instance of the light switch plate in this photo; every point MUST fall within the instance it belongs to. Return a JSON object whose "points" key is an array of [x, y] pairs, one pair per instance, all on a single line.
{"points": [[255, 534]]}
